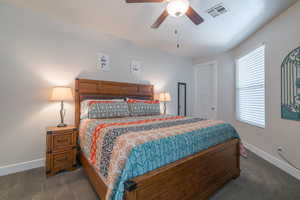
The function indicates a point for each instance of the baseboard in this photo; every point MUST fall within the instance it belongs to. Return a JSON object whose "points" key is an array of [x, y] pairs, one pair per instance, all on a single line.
{"points": [[273, 160], [19, 167]]}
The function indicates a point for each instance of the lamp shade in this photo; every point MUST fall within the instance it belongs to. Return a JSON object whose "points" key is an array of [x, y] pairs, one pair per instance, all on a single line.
{"points": [[164, 97], [61, 94]]}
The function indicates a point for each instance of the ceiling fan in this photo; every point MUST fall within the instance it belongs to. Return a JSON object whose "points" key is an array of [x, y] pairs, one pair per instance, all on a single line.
{"points": [[175, 8]]}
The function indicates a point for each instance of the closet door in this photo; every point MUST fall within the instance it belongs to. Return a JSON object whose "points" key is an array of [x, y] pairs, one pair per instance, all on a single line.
{"points": [[206, 91]]}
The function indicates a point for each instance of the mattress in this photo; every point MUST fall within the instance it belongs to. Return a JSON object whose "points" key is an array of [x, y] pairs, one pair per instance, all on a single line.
{"points": [[122, 148]]}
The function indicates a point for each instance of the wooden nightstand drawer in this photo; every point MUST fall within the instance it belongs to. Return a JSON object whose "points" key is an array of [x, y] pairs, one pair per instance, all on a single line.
{"points": [[61, 161], [63, 141]]}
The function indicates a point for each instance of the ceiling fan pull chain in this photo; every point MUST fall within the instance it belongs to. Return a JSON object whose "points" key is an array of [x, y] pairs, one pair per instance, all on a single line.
{"points": [[176, 33]]}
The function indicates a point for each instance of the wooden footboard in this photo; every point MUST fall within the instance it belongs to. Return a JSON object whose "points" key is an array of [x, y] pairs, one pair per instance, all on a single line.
{"points": [[195, 177]]}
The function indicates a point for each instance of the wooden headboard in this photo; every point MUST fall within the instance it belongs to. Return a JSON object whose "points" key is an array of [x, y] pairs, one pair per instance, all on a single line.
{"points": [[93, 89]]}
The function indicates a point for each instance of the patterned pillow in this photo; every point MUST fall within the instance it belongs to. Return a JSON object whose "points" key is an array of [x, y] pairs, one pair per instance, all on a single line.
{"points": [[97, 109], [143, 107]]}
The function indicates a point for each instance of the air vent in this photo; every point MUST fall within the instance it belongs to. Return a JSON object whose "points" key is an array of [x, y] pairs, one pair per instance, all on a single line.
{"points": [[217, 10]]}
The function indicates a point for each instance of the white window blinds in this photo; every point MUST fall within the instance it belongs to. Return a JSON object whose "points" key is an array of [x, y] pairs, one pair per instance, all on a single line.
{"points": [[250, 88]]}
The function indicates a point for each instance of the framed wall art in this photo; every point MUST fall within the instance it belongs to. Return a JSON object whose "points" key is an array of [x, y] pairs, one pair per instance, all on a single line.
{"points": [[290, 86], [136, 67], [103, 62]]}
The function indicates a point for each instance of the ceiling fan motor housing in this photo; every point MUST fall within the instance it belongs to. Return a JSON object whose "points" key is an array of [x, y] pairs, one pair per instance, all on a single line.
{"points": [[178, 8]]}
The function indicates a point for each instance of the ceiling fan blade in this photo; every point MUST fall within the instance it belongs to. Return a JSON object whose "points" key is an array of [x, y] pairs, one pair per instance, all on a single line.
{"points": [[144, 1], [160, 20], [194, 16]]}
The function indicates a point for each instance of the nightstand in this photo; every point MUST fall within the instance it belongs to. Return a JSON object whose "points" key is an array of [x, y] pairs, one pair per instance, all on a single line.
{"points": [[61, 149]]}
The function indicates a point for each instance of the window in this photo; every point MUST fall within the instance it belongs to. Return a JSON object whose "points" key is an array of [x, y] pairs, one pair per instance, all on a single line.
{"points": [[250, 88]]}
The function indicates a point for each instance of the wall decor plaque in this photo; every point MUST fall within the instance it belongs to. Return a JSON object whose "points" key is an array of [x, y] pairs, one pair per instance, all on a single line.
{"points": [[290, 86], [103, 62]]}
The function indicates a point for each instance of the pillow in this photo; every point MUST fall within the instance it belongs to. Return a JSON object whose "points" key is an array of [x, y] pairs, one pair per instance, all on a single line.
{"points": [[106, 108], [143, 107]]}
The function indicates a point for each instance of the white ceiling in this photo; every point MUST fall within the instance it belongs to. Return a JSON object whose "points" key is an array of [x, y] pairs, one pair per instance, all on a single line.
{"points": [[132, 22]]}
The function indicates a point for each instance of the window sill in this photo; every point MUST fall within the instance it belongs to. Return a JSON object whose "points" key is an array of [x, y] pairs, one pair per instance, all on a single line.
{"points": [[252, 124]]}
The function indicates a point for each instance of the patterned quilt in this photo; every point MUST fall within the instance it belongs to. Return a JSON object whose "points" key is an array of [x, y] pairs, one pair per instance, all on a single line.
{"points": [[122, 148]]}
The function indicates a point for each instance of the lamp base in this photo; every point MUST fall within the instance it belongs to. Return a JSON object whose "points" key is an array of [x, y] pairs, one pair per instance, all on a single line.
{"points": [[62, 113], [165, 108], [62, 125]]}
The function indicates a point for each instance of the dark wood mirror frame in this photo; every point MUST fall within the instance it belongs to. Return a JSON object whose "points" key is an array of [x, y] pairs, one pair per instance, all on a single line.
{"points": [[178, 88]]}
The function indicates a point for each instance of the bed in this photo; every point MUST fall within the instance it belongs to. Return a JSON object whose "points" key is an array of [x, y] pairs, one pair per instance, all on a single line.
{"points": [[152, 157]]}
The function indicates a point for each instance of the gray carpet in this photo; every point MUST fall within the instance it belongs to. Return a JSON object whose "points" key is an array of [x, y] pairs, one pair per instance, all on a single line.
{"points": [[259, 181]]}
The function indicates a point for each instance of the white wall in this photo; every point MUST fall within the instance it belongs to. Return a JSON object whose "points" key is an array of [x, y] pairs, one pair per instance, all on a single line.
{"points": [[281, 36], [37, 54]]}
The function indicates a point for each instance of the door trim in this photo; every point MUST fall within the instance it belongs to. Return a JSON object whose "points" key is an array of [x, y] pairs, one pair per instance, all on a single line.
{"points": [[196, 67]]}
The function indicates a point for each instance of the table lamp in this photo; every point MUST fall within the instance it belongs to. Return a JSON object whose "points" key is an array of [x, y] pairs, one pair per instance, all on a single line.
{"points": [[165, 97], [62, 94]]}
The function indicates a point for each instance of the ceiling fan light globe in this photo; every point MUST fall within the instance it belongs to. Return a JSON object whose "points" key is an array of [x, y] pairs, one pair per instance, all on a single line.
{"points": [[178, 8]]}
